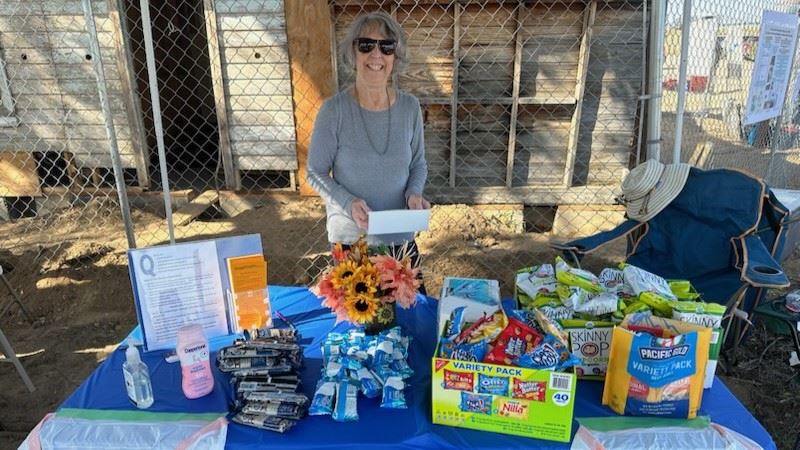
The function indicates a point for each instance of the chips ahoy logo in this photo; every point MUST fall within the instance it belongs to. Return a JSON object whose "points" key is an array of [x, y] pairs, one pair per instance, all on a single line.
{"points": [[660, 354]]}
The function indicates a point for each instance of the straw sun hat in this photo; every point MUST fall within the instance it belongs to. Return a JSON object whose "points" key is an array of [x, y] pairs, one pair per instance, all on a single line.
{"points": [[651, 186]]}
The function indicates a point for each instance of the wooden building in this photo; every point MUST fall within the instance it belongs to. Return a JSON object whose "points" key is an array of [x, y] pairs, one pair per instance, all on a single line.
{"points": [[532, 102]]}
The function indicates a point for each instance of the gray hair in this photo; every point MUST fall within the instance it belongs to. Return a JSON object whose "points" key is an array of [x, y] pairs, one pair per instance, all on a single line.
{"points": [[385, 25]]}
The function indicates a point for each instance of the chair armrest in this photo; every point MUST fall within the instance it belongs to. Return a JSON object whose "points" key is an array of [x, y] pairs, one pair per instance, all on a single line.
{"points": [[578, 248], [757, 266]]}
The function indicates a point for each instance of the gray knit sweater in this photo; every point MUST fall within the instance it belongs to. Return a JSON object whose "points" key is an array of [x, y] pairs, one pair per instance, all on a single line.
{"points": [[344, 166]]}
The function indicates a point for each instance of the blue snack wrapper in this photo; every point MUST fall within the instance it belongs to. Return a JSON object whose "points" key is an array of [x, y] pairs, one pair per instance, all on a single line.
{"points": [[393, 396]]}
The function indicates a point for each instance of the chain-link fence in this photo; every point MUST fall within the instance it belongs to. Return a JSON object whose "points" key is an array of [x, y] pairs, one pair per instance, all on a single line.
{"points": [[723, 43], [533, 115]]}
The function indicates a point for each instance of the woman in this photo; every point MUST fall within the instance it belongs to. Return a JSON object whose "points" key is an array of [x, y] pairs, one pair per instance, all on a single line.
{"points": [[367, 151]]}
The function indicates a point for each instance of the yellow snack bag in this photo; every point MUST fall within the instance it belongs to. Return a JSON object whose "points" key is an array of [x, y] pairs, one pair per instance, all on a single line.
{"points": [[650, 375], [572, 276]]}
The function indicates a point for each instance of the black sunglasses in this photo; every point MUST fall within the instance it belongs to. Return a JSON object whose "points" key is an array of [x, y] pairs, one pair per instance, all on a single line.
{"points": [[366, 45]]}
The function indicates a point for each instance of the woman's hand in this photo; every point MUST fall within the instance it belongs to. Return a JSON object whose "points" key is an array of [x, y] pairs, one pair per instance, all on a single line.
{"points": [[359, 211], [416, 201]]}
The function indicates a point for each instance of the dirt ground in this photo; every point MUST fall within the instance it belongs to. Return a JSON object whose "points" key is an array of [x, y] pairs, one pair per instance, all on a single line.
{"points": [[79, 294]]}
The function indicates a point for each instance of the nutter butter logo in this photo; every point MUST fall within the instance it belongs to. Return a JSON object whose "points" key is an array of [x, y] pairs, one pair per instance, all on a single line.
{"points": [[651, 353]]}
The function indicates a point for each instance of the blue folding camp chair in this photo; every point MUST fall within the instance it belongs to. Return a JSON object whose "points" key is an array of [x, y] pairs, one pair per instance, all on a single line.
{"points": [[724, 232]]}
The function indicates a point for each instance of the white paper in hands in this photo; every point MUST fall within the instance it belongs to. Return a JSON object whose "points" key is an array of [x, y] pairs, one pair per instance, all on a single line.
{"points": [[398, 221]]}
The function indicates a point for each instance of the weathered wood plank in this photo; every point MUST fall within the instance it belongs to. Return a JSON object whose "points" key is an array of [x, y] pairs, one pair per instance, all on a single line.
{"points": [[21, 144], [256, 22], [96, 132], [94, 117], [255, 55], [249, 6], [20, 22], [543, 139], [19, 8], [580, 88], [71, 86], [512, 133], [126, 74], [72, 7], [245, 117], [100, 148], [266, 162], [266, 148], [33, 131], [257, 71], [18, 177], [75, 22], [127, 160], [260, 103], [277, 132], [77, 55], [218, 73], [238, 86], [54, 39], [195, 208], [309, 25], [254, 38], [41, 116], [24, 72]]}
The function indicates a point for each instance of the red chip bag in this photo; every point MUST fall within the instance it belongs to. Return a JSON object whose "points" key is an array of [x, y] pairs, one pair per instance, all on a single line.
{"points": [[516, 339]]}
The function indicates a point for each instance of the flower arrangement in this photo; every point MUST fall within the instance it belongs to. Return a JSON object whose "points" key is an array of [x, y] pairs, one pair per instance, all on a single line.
{"points": [[365, 283]]}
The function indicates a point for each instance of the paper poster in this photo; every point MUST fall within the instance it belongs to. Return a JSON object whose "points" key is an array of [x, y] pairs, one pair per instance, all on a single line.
{"points": [[772, 67], [177, 285]]}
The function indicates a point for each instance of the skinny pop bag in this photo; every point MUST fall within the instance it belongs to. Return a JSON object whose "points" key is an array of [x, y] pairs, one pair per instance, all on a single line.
{"points": [[655, 376]]}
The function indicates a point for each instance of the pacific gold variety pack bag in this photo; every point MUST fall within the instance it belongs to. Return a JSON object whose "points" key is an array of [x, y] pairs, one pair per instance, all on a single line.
{"points": [[657, 374]]}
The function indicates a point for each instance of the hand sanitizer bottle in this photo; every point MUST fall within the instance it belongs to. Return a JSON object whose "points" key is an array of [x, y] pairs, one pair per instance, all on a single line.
{"points": [[192, 349], [137, 378]]}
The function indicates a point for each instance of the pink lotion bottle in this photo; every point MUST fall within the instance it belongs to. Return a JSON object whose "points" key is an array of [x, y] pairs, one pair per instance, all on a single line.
{"points": [[192, 349]]}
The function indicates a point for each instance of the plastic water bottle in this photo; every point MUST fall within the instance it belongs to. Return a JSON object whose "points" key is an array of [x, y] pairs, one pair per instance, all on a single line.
{"points": [[137, 378], [192, 349]]}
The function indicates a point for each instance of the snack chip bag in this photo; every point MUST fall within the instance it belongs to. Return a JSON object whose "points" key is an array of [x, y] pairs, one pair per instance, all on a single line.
{"points": [[462, 352], [683, 290], [551, 327], [572, 297], [577, 277], [705, 314], [485, 329], [655, 376], [551, 306], [551, 354], [599, 305], [641, 281], [613, 281], [517, 338], [532, 281]]}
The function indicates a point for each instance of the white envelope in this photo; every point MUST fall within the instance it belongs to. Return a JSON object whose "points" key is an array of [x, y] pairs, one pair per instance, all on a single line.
{"points": [[398, 221]]}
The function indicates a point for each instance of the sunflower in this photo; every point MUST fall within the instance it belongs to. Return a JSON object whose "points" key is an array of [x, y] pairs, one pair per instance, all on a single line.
{"points": [[363, 282], [361, 309], [386, 313], [341, 274]]}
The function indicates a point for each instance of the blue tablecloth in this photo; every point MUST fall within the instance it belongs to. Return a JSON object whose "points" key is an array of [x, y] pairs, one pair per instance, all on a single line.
{"points": [[377, 427]]}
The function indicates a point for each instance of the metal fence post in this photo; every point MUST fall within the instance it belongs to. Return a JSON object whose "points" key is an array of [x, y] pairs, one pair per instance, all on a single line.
{"points": [[682, 88], [655, 65], [119, 176]]}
